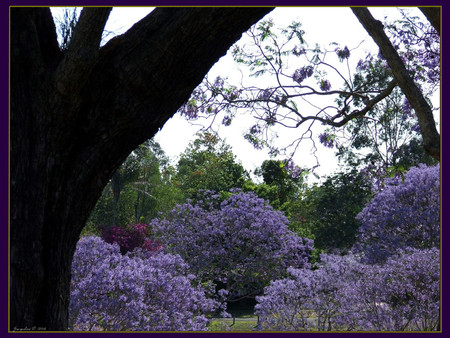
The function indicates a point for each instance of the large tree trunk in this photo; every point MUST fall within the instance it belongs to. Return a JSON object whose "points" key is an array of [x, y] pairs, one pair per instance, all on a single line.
{"points": [[76, 116], [430, 135]]}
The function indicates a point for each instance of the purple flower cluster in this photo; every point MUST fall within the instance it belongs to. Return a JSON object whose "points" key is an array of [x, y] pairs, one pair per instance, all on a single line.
{"points": [[131, 237], [265, 94], [294, 170], [402, 214], [407, 109], [343, 53], [326, 139], [231, 93], [242, 244], [344, 294], [190, 110], [133, 292], [419, 48], [325, 85], [303, 73], [227, 121]]}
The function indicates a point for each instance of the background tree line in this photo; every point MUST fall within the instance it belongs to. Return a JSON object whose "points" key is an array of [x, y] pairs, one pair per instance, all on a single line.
{"points": [[147, 186]]}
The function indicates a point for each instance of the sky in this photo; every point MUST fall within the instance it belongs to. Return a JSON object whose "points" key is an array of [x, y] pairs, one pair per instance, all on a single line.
{"points": [[321, 25]]}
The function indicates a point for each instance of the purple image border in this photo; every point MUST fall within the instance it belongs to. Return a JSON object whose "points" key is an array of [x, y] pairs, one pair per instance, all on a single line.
{"points": [[4, 125]]}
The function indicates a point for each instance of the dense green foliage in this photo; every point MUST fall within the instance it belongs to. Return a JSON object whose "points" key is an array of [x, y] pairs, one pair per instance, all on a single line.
{"points": [[208, 164], [327, 212], [138, 191]]}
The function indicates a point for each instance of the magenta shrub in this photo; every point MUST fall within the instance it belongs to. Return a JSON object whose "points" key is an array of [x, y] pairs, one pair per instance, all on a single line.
{"points": [[131, 237]]}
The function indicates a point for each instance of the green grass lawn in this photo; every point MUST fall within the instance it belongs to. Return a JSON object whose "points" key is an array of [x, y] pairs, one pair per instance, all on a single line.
{"points": [[245, 323]]}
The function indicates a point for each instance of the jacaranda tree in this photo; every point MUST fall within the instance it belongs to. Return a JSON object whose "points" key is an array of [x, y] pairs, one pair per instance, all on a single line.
{"points": [[240, 244], [136, 291], [405, 213]]}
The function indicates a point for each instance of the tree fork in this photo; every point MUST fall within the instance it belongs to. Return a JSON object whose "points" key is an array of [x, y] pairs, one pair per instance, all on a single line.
{"points": [[74, 118]]}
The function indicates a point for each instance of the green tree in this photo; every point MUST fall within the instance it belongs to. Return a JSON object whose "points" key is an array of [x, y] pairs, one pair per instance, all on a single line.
{"points": [[139, 190], [327, 212], [76, 114], [209, 164], [274, 173]]}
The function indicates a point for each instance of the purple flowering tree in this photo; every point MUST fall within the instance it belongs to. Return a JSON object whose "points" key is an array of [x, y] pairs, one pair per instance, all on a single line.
{"points": [[308, 299], [403, 294], [343, 294], [137, 291], [241, 243], [405, 213]]}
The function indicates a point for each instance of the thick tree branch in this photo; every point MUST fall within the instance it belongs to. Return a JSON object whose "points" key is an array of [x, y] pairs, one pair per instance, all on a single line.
{"points": [[143, 76], [33, 31], [431, 137], [433, 15]]}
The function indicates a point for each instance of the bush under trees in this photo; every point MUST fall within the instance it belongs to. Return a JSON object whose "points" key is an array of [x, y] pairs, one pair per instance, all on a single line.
{"points": [[344, 294], [136, 291], [130, 237]]}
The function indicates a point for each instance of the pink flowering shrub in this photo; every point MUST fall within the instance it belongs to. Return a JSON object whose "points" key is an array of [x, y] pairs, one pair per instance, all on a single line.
{"points": [[131, 237]]}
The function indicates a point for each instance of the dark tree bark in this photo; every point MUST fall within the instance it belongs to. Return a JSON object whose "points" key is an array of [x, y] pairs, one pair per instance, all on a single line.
{"points": [[75, 116], [433, 14], [430, 135]]}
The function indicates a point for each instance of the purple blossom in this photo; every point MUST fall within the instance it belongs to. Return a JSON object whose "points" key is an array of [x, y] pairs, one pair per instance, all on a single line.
{"points": [[294, 170], [298, 51], [362, 65], [219, 82], [326, 139], [416, 128], [243, 243], [255, 129], [226, 121], [190, 110], [231, 94], [342, 53], [344, 294], [325, 85], [407, 109], [265, 94], [402, 214], [303, 73]]}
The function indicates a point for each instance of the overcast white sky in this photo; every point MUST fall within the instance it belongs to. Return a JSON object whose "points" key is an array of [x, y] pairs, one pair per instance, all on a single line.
{"points": [[322, 25]]}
